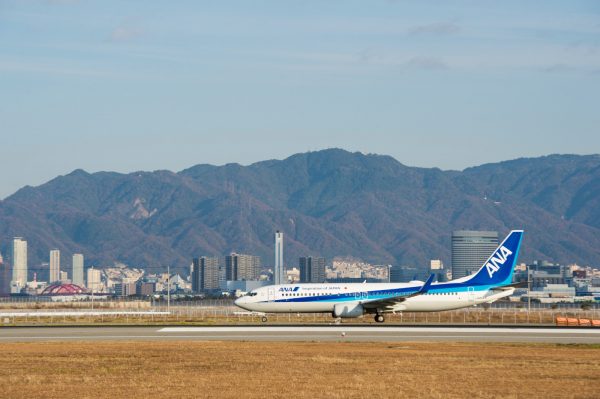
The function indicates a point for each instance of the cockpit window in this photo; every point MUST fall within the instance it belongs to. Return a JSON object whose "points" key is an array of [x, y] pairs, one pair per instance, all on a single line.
{"points": [[252, 293]]}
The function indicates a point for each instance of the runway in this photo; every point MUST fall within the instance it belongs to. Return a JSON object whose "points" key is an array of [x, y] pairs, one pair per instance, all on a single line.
{"points": [[303, 333]]}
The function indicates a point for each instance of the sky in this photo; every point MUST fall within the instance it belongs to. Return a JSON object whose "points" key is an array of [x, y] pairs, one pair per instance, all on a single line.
{"points": [[146, 85]]}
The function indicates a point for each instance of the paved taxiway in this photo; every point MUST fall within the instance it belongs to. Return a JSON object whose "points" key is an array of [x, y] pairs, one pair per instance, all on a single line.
{"points": [[302, 333]]}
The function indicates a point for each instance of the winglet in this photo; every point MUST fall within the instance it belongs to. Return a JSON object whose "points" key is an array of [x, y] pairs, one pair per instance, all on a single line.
{"points": [[424, 288], [427, 285]]}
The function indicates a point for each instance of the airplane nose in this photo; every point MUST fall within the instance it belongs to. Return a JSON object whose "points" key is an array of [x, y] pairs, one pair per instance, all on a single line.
{"points": [[242, 302]]}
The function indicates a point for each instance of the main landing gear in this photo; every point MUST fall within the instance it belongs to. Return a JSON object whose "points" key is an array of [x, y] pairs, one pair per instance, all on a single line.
{"points": [[379, 318]]}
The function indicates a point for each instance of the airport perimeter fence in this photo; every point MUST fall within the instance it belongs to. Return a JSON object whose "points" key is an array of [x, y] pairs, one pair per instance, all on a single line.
{"points": [[47, 302], [223, 311], [479, 315]]}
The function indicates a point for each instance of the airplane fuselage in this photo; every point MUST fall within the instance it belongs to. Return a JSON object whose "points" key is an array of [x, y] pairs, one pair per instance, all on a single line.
{"points": [[319, 298]]}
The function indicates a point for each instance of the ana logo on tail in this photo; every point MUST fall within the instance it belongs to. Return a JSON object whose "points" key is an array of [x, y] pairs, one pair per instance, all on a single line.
{"points": [[497, 260]]}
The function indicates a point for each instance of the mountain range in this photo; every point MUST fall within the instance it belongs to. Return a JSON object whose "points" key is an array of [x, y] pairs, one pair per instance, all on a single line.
{"points": [[328, 203]]}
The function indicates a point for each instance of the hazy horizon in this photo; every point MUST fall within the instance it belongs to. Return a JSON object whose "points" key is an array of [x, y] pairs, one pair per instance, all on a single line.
{"points": [[126, 87]]}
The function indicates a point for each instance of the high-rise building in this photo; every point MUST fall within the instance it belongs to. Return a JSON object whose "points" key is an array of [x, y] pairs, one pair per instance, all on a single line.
{"points": [[211, 273], [231, 267], [54, 266], [77, 272], [4, 277], [125, 288], [145, 288], [242, 267], [205, 274], [312, 269], [404, 274], [278, 275], [196, 275], [19, 262], [94, 281], [470, 250]]}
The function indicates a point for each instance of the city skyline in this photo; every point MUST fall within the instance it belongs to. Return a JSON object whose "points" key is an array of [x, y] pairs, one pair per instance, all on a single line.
{"points": [[474, 244], [186, 81], [469, 247], [551, 282]]}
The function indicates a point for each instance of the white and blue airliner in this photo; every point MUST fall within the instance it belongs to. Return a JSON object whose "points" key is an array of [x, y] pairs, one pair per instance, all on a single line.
{"points": [[491, 282]]}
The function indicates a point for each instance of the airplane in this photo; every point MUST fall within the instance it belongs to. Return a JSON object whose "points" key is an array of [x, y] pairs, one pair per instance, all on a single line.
{"points": [[491, 282]]}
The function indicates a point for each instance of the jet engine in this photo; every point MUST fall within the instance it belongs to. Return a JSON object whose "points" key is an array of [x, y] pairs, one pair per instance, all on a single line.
{"points": [[348, 310]]}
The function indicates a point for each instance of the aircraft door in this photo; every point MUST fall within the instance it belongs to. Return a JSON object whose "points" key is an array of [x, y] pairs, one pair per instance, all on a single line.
{"points": [[471, 295], [271, 294]]}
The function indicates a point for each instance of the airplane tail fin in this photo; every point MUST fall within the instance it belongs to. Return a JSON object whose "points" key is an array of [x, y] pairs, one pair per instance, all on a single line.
{"points": [[498, 269]]}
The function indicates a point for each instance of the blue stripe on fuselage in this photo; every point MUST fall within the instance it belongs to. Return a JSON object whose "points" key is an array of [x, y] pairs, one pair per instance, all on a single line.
{"points": [[389, 293]]}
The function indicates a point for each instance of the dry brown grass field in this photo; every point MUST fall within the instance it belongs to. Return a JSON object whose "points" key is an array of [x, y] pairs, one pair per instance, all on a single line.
{"points": [[297, 370]]}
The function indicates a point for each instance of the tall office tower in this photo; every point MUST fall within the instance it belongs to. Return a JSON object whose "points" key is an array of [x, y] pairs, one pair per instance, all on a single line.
{"points": [[4, 277], [54, 266], [470, 249], [205, 274], [312, 269], [240, 267], [94, 280], [196, 275], [77, 272], [231, 267], [19, 262], [278, 275]]}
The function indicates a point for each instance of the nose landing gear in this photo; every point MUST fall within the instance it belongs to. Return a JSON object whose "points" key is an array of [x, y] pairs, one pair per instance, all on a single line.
{"points": [[379, 318]]}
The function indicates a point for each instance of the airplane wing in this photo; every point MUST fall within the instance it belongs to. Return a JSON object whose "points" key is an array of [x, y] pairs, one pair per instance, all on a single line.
{"points": [[391, 301]]}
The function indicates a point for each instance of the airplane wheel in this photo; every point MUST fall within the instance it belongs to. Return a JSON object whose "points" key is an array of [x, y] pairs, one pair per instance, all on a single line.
{"points": [[264, 319], [379, 318]]}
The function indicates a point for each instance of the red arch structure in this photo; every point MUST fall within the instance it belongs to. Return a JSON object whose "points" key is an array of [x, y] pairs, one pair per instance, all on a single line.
{"points": [[63, 289]]}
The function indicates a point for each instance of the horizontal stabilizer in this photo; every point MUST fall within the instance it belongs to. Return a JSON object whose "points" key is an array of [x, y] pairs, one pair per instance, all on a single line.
{"points": [[521, 284]]}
